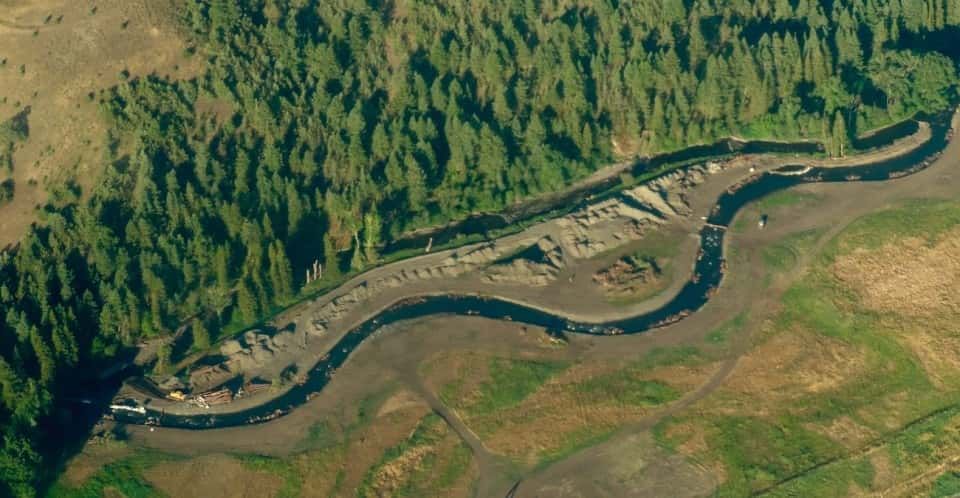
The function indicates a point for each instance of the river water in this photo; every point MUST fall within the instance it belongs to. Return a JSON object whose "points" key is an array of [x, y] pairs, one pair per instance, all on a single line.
{"points": [[704, 281]]}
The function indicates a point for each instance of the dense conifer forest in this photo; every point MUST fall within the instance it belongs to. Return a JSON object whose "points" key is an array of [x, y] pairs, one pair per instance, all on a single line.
{"points": [[325, 129]]}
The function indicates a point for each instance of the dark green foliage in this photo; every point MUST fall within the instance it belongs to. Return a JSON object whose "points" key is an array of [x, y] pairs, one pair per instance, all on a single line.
{"points": [[353, 122], [6, 191], [947, 485], [201, 335], [13, 131]]}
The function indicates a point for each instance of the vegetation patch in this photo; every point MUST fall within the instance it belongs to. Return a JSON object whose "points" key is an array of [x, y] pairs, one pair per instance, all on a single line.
{"points": [[125, 476], [428, 463], [785, 198], [624, 386], [668, 356], [785, 254], [759, 452], [6, 191], [511, 381], [722, 334], [278, 467], [947, 485], [925, 219]]}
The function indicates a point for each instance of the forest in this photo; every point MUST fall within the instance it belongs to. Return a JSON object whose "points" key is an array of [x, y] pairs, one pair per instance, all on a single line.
{"points": [[323, 130]]}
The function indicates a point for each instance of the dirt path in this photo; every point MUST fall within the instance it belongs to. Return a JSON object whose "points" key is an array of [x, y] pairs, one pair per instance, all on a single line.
{"points": [[493, 470], [19, 27]]}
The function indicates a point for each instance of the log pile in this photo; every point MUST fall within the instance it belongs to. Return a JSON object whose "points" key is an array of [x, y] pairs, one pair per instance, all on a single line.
{"points": [[218, 397]]}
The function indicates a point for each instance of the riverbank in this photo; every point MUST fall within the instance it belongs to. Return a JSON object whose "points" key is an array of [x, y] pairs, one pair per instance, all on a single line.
{"points": [[408, 350], [681, 215]]}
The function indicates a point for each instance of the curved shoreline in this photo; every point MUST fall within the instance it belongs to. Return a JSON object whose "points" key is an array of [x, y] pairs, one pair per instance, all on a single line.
{"points": [[707, 275]]}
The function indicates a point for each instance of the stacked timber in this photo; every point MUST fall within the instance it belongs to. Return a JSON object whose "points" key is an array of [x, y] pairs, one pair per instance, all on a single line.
{"points": [[254, 387], [218, 397]]}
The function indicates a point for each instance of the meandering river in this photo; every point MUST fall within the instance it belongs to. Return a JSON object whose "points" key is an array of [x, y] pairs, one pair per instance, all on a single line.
{"points": [[705, 279]]}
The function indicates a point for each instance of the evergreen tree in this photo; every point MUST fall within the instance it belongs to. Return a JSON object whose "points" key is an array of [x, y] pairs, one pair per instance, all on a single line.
{"points": [[201, 335]]}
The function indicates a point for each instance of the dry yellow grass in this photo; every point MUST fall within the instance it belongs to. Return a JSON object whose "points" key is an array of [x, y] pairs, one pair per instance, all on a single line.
{"points": [[918, 280], [214, 476], [394, 473], [846, 431], [790, 365], [910, 276]]}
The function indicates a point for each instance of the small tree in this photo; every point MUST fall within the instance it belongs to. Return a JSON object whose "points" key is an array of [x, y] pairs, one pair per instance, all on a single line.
{"points": [[201, 335], [164, 355], [6, 191], [371, 234]]}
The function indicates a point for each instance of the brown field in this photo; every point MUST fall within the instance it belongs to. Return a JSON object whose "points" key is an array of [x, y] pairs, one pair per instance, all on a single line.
{"points": [[912, 276], [57, 53], [214, 475]]}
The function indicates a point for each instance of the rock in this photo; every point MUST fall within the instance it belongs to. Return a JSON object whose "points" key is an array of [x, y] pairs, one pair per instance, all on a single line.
{"points": [[230, 347], [537, 265]]}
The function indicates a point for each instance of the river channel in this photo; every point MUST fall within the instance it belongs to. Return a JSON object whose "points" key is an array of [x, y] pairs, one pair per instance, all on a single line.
{"points": [[706, 277]]}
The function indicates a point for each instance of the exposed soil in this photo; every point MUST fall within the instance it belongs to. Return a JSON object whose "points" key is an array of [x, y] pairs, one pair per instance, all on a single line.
{"points": [[401, 400], [633, 467], [631, 277]]}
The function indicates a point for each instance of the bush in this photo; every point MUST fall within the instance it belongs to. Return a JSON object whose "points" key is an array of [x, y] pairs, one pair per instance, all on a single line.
{"points": [[6, 191]]}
